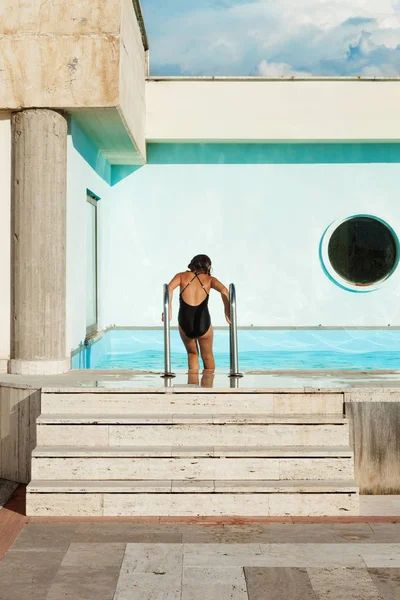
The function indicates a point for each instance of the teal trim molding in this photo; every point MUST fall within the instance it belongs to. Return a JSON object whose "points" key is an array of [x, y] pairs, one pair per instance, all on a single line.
{"points": [[300, 153], [88, 150]]}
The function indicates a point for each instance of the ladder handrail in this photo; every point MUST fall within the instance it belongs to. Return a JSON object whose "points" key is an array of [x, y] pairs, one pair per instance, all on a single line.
{"points": [[167, 334], [233, 342]]}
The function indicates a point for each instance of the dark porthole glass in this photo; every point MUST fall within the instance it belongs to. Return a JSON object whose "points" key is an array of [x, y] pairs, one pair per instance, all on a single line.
{"points": [[363, 250]]}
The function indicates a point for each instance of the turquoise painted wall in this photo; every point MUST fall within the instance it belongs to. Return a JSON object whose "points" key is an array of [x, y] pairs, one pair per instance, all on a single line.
{"points": [[259, 211]]}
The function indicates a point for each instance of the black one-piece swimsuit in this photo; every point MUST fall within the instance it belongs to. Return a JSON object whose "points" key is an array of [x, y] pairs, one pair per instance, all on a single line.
{"points": [[195, 321]]}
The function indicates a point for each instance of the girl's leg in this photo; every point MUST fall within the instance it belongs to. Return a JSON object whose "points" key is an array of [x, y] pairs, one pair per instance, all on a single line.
{"points": [[206, 343], [193, 378], [207, 379], [192, 350]]}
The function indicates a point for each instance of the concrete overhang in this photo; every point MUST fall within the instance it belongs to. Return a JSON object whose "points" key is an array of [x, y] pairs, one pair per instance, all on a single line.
{"points": [[88, 59], [265, 110]]}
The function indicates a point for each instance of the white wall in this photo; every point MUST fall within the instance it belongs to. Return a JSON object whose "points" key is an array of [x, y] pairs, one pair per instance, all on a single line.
{"points": [[5, 221], [261, 225], [80, 177], [261, 110]]}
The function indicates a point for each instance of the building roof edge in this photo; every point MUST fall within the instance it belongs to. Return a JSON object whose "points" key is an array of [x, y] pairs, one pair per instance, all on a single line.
{"points": [[139, 15], [257, 79]]}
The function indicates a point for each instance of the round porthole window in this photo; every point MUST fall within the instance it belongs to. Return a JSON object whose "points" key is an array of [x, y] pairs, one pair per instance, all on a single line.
{"points": [[361, 251]]}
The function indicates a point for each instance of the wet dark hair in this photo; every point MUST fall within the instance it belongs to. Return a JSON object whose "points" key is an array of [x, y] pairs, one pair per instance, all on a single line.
{"points": [[201, 263]]}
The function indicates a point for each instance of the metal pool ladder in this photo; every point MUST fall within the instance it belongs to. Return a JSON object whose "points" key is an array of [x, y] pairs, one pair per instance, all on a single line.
{"points": [[167, 335], [233, 343]]}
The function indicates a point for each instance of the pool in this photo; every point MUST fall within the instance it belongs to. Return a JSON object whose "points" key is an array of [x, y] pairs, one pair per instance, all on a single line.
{"points": [[259, 349]]}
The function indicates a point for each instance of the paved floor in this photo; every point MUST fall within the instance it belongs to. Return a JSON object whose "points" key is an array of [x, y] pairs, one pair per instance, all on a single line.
{"points": [[281, 558], [127, 561], [285, 558]]}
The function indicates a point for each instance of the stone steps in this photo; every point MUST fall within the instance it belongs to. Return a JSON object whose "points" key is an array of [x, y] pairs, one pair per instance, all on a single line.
{"points": [[195, 451], [189, 419], [184, 435], [185, 453], [158, 486], [172, 403], [177, 498], [186, 468]]}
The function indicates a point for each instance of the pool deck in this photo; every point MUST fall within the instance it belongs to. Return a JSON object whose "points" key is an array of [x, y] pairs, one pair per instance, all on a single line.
{"points": [[253, 381]]}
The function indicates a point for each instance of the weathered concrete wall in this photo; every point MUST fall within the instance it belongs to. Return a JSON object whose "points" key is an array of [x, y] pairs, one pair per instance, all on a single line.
{"points": [[74, 56], [59, 54], [374, 430], [19, 409], [262, 110], [5, 176]]}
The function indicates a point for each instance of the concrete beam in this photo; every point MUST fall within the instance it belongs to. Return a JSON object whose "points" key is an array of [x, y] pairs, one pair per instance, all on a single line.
{"points": [[265, 110]]}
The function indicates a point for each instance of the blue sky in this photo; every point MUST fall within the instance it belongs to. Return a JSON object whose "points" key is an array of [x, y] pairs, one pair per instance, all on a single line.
{"points": [[273, 37]]}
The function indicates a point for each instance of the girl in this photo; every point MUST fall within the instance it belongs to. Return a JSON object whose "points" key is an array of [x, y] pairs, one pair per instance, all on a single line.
{"points": [[194, 317]]}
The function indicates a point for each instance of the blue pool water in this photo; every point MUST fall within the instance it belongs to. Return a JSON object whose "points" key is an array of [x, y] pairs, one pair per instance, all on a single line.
{"points": [[338, 349]]}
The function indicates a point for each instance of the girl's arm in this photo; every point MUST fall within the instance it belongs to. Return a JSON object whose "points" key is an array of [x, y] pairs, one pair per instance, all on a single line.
{"points": [[219, 287], [173, 284]]}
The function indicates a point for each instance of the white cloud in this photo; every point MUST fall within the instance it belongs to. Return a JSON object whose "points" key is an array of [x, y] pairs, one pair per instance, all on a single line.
{"points": [[271, 69], [274, 37]]}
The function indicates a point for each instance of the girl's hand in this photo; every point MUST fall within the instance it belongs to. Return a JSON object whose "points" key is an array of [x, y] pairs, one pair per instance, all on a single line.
{"points": [[228, 319], [162, 316]]}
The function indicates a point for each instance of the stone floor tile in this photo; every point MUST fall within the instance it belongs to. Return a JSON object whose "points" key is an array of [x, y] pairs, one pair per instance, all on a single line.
{"points": [[93, 556], [387, 581], [151, 571], [343, 584], [80, 583], [222, 555], [386, 532], [212, 592], [311, 555], [217, 583], [213, 575], [380, 555], [127, 533], [246, 534], [153, 559], [278, 583], [202, 534], [148, 587], [45, 536], [357, 533], [88, 572], [27, 575], [279, 534]]}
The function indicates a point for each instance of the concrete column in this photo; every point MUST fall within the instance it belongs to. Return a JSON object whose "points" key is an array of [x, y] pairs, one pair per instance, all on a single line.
{"points": [[38, 228]]}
